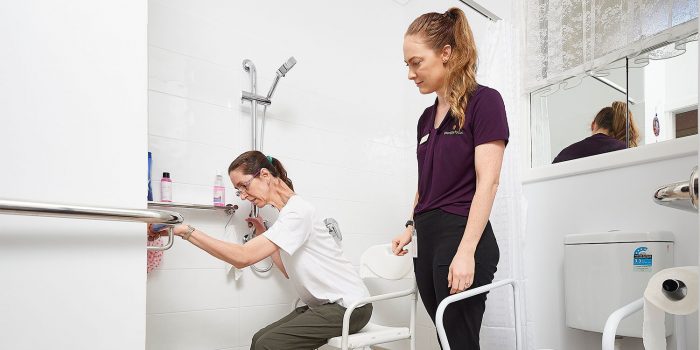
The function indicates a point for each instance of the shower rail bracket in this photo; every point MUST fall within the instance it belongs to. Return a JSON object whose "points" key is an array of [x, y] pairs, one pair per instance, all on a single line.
{"points": [[249, 96]]}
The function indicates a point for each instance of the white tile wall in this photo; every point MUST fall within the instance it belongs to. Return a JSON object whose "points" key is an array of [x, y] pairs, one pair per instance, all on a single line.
{"points": [[74, 114], [342, 122]]}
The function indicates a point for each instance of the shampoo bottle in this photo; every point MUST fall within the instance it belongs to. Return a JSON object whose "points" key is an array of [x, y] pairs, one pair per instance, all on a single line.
{"points": [[219, 191]]}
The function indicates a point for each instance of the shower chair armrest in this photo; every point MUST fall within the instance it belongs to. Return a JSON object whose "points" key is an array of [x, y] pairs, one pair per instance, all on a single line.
{"points": [[380, 297], [470, 293], [387, 296], [614, 320]]}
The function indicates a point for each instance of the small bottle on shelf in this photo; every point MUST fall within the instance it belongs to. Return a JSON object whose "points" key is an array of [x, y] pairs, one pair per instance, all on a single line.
{"points": [[219, 191], [166, 188]]}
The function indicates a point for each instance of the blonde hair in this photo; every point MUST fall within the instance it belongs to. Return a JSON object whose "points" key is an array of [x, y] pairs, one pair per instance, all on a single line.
{"points": [[452, 28], [614, 120]]}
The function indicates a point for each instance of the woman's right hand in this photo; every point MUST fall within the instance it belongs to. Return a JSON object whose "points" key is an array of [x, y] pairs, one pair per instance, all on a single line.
{"points": [[155, 231], [401, 240]]}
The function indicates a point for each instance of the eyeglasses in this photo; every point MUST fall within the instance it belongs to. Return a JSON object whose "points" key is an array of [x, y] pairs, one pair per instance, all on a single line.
{"points": [[244, 186]]}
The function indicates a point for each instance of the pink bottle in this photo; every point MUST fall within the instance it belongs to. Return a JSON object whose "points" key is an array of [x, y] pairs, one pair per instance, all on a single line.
{"points": [[166, 188], [219, 191]]}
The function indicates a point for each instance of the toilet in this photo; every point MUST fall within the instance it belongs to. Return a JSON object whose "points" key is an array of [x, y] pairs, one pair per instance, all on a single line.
{"points": [[606, 271]]}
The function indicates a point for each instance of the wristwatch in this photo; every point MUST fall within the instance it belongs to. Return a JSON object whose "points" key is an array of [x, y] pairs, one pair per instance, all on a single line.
{"points": [[409, 223], [187, 234]]}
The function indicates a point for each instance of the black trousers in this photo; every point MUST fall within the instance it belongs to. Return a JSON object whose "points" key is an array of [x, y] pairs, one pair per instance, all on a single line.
{"points": [[439, 234]]}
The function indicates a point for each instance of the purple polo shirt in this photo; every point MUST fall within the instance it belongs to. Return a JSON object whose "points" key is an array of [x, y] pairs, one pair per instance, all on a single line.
{"points": [[592, 145], [446, 172]]}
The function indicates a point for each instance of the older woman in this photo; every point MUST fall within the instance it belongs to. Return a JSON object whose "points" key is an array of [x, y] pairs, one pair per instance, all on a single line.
{"points": [[303, 250]]}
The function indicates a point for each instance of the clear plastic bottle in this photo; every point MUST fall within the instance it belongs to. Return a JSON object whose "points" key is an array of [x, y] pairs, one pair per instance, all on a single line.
{"points": [[219, 191], [166, 188]]}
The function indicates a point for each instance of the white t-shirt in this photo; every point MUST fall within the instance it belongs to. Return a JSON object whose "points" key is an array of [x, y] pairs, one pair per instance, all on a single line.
{"points": [[314, 262]]}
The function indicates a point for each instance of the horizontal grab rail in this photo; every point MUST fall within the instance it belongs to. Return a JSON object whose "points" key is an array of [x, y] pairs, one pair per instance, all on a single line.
{"points": [[90, 213], [148, 216]]}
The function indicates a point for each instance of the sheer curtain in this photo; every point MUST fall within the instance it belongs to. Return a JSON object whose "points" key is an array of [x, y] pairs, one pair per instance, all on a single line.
{"points": [[499, 68], [566, 37]]}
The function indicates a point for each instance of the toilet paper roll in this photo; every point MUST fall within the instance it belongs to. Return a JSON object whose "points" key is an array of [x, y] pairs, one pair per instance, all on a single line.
{"points": [[672, 299]]}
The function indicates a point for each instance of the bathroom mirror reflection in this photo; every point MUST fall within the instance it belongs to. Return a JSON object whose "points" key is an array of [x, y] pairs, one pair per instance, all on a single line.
{"points": [[576, 118], [586, 115], [664, 83]]}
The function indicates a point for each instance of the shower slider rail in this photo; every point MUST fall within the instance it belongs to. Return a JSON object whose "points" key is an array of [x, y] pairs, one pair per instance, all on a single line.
{"points": [[11, 207]]}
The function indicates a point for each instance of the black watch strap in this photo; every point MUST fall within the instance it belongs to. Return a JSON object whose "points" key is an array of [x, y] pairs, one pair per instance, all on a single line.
{"points": [[409, 223]]}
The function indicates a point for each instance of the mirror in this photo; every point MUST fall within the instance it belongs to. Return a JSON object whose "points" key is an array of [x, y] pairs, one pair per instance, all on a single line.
{"points": [[664, 83], [635, 101], [563, 116]]}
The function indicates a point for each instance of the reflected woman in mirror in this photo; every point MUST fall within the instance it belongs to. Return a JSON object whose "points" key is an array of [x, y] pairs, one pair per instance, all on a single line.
{"points": [[609, 134]]}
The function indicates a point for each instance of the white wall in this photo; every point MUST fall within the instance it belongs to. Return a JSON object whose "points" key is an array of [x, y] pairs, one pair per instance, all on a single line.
{"points": [[342, 122], [594, 202], [73, 111], [666, 90]]}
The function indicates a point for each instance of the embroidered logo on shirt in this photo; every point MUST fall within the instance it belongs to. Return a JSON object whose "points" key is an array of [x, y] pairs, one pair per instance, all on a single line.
{"points": [[453, 132]]}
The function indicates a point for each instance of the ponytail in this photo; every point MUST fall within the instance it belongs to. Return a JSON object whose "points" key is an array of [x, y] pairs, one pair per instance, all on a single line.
{"points": [[461, 76], [281, 172], [614, 119]]}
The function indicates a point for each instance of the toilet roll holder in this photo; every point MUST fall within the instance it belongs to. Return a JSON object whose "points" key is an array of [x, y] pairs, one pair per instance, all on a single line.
{"points": [[674, 289]]}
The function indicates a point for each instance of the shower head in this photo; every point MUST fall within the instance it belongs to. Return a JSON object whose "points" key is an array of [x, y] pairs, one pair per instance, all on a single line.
{"points": [[282, 71]]}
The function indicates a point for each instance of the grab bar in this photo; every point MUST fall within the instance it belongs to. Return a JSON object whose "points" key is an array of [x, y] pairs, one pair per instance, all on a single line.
{"points": [[614, 319], [470, 293], [94, 213], [680, 195]]}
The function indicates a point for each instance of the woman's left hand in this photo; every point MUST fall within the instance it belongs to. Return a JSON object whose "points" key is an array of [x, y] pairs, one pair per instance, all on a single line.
{"points": [[461, 274], [258, 223]]}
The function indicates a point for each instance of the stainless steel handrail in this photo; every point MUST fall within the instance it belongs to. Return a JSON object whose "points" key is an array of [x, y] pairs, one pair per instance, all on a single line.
{"points": [[680, 195], [11, 207]]}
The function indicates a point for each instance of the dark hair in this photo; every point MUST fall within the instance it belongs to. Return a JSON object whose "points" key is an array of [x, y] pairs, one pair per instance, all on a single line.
{"points": [[613, 119], [452, 28], [252, 161]]}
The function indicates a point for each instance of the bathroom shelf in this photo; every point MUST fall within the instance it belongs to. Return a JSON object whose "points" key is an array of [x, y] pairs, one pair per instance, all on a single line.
{"points": [[229, 209]]}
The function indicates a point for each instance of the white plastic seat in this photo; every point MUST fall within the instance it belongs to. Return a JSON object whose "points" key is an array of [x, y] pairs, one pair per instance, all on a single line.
{"points": [[380, 262], [372, 334]]}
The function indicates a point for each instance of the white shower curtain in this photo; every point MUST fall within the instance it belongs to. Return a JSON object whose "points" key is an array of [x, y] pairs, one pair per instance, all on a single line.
{"points": [[499, 68]]}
